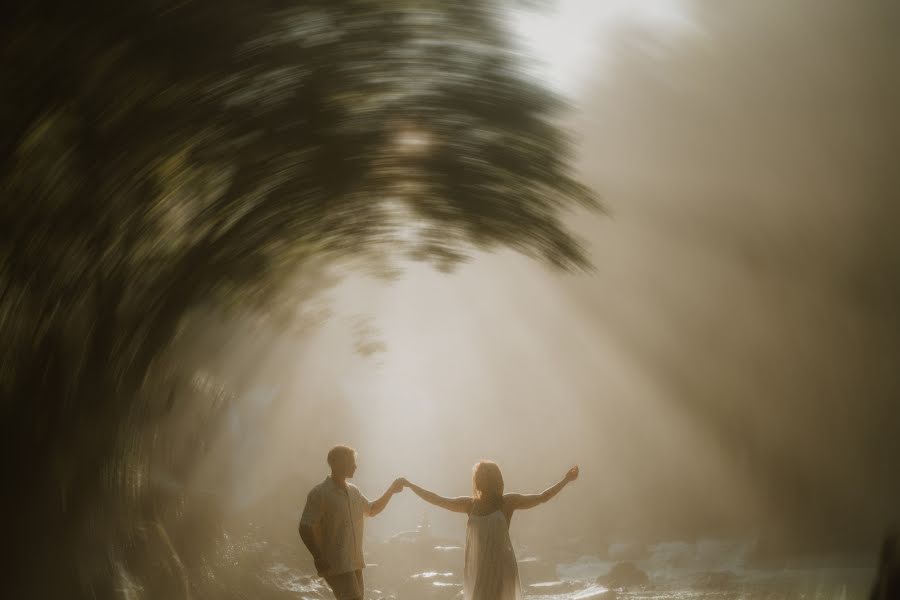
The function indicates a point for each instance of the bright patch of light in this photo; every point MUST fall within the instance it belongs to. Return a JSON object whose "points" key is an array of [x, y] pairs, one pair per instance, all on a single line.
{"points": [[412, 140], [571, 40]]}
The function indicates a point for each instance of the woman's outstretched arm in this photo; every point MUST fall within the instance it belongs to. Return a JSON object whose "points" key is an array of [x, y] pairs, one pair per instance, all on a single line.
{"points": [[460, 504], [523, 501]]}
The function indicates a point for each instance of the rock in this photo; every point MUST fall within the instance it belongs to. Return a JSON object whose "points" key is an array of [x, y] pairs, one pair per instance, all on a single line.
{"points": [[624, 575]]}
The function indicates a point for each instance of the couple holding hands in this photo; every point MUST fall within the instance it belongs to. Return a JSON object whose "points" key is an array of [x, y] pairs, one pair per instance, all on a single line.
{"points": [[332, 527]]}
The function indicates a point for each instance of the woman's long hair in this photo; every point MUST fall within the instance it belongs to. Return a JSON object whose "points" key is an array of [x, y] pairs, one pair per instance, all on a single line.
{"points": [[487, 481]]}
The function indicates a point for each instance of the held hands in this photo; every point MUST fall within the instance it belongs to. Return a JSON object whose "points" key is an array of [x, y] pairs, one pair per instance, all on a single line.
{"points": [[398, 485], [572, 474]]}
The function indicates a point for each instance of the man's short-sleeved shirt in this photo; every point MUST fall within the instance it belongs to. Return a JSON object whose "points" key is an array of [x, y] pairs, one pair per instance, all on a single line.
{"points": [[336, 517]]}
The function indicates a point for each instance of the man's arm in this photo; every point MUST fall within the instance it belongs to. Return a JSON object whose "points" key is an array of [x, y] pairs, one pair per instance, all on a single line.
{"points": [[380, 504], [312, 514], [309, 540]]}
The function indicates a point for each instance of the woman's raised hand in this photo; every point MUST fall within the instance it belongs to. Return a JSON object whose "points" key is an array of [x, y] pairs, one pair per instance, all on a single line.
{"points": [[572, 474]]}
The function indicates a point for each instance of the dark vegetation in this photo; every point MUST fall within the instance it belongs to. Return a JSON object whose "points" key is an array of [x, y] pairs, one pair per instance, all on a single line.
{"points": [[164, 161]]}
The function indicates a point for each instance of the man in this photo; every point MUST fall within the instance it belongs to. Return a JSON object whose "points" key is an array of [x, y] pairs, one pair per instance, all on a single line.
{"points": [[332, 525]]}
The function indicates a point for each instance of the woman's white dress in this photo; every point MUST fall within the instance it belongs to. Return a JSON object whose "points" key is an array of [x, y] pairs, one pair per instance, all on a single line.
{"points": [[491, 571]]}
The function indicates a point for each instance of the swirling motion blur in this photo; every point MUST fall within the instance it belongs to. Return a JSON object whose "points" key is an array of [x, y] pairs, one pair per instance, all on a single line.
{"points": [[166, 161]]}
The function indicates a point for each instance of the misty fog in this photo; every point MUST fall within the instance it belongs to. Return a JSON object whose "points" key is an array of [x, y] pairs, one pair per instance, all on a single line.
{"points": [[729, 371]]}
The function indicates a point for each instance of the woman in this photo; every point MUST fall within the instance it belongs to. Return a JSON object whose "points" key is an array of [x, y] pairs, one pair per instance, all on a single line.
{"points": [[491, 571]]}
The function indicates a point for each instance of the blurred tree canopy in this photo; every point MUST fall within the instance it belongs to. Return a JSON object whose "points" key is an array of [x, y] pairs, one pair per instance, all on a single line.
{"points": [[158, 155]]}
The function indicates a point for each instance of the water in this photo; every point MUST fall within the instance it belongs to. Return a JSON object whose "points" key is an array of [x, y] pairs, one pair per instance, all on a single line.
{"points": [[421, 570]]}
